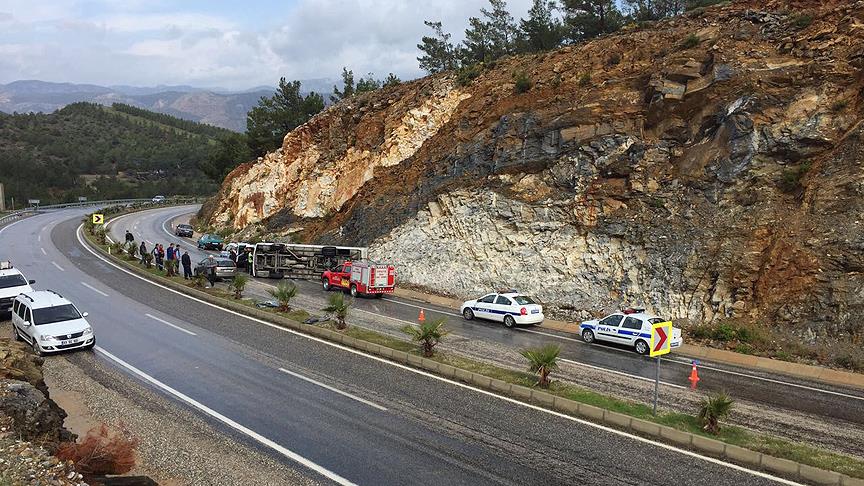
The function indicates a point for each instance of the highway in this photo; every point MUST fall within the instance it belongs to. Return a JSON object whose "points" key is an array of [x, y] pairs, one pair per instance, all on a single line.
{"points": [[346, 417], [778, 391]]}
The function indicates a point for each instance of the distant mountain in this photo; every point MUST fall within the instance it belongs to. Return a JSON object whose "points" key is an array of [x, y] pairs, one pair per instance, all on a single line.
{"points": [[214, 106]]}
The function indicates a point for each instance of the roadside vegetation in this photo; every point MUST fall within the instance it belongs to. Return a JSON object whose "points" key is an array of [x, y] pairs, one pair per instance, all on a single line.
{"points": [[338, 308], [102, 451], [428, 334], [712, 410], [283, 293], [542, 362]]}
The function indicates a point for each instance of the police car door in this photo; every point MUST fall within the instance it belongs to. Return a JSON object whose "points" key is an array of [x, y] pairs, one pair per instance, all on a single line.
{"points": [[483, 308], [503, 306], [630, 329], [607, 329]]}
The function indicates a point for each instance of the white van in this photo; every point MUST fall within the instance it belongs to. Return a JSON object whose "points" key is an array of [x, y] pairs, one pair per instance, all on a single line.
{"points": [[12, 283], [50, 323]]}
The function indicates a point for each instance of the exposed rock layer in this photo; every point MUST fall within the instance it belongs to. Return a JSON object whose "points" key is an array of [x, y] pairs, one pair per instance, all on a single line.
{"points": [[712, 182]]}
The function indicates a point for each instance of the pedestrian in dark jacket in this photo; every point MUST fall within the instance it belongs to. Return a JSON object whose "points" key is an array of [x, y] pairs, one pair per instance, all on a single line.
{"points": [[241, 260], [210, 270], [187, 265], [159, 256], [129, 237], [169, 257], [142, 251]]}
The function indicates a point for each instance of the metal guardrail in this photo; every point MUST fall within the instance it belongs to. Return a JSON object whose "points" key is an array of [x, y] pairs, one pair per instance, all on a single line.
{"points": [[107, 202]]}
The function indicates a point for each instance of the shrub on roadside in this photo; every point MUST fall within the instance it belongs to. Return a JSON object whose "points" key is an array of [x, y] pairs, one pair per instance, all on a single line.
{"points": [[238, 285], [101, 452], [428, 334], [542, 362], [283, 293], [338, 308], [690, 42], [713, 409], [523, 82], [131, 251], [467, 74]]}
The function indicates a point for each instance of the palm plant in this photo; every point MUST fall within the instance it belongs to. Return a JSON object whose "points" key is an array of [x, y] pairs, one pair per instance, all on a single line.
{"points": [[198, 280], [713, 409], [148, 259], [131, 251], [542, 361], [283, 294], [100, 235], [116, 248], [339, 308], [429, 334], [238, 285]]}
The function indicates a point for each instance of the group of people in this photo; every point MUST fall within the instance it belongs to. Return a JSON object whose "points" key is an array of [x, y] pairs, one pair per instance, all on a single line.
{"points": [[168, 259]]}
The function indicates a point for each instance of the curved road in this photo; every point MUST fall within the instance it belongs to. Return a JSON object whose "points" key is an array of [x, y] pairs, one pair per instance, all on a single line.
{"points": [[778, 391], [347, 417]]}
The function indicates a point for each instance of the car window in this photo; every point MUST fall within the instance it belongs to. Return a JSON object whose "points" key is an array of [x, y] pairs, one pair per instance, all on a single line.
{"points": [[656, 320], [523, 300], [612, 320], [501, 300], [58, 313], [14, 280], [21, 310], [632, 323], [15, 307], [225, 263], [487, 299], [27, 315]]}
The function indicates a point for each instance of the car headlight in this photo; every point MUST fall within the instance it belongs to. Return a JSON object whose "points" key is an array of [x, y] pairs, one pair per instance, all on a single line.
{"points": [[88, 330], [46, 339]]}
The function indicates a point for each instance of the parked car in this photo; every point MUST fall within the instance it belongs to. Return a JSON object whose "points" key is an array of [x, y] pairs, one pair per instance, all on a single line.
{"points": [[158, 199], [50, 323], [184, 230], [631, 327], [225, 268], [210, 242], [12, 283], [511, 308]]}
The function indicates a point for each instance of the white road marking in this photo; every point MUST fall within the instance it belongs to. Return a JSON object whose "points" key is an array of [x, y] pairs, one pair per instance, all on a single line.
{"points": [[334, 390], [175, 326], [58, 266], [94, 289], [39, 238], [607, 370], [43, 251], [442, 379], [227, 421]]}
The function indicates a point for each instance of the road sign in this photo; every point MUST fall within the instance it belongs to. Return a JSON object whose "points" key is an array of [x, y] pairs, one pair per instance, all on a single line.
{"points": [[661, 338], [82, 199], [33, 202], [98, 218]]}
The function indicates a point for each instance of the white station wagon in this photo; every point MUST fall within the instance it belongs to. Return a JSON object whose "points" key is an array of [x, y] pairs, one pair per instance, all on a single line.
{"points": [[630, 327], [50, 323], [511, 308]]}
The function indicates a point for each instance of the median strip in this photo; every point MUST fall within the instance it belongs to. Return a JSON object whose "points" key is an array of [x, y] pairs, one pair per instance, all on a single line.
{"points": [[673, 428]]}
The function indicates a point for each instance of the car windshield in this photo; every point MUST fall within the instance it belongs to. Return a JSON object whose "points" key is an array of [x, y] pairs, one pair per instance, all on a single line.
{"points": [[656, 320], [523, 300], [184, 226], [7, 281], [224, 263], [59, 313]]}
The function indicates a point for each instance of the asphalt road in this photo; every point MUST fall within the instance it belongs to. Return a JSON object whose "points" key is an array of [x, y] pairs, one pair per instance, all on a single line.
{"points": [[347, 417], [778, 391]]}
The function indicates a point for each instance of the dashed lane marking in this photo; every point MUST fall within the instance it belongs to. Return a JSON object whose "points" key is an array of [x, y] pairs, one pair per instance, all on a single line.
{"points": [[334, 390], [175, 326], [94, 289]]}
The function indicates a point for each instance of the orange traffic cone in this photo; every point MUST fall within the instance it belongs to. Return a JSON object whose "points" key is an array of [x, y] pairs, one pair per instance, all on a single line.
{"points": [[422, 316], [694, 377]]}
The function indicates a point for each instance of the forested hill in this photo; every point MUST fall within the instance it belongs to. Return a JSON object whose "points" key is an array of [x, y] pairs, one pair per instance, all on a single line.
{"points": [[90, 150]]}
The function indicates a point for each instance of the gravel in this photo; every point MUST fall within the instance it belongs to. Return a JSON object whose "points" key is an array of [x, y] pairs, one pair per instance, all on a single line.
{"points": [[176, 446]]}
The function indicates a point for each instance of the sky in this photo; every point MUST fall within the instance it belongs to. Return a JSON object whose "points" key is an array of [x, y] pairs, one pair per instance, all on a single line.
{"points": [[216, 43]]}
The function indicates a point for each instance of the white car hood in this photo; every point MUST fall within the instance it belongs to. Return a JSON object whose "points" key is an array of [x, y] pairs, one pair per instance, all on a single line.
{"points": [[62, 328], [14, 291]]}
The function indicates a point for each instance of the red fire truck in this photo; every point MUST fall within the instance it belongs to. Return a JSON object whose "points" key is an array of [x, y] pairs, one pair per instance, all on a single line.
{"points": [[361, 278]]}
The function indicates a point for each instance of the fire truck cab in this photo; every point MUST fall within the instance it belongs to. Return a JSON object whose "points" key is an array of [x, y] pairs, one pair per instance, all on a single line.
{"points": [[361, 278]]}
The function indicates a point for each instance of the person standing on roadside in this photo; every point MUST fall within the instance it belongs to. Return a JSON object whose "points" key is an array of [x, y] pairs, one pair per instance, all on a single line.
{"points": [[158, 255], [187, 265], [169, 257], [241, 259], [142, 250], [210, 270], [129, 237], [249, 262]]}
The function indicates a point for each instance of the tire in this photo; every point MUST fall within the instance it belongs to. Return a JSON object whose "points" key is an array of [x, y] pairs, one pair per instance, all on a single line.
{"points": [[641, 347], [509, 322], [36, 350], [17, 334], [378, 296], [353, 291], [588, 336], [468, 314], [326, 284]]}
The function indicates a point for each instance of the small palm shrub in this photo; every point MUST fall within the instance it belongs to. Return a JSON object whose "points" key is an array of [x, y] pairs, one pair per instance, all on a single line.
{"points": [[131, 251], [523, 82], [199, 281], [428, 334], [338, 307], [148, 260], [238, 285], [713, 409], [542, 361], [116, 248], [101, 236], [283, 294]]}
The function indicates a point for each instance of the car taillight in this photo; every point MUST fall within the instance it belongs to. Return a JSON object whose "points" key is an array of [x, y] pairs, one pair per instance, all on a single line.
{"points": [[523, 311]]}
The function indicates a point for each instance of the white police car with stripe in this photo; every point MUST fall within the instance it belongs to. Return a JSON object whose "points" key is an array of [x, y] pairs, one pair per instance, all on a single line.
{"points": [[511, 308], [631, 327]]}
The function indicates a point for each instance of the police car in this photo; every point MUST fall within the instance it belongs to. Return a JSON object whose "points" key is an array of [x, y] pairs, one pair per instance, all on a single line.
{"points": [[511, 308], [631, 327], [12, 283], [50, 323]]}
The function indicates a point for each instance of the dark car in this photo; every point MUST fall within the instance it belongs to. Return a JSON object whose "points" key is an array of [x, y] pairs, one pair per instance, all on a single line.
{"points": [[210, 242], [184, 230], [225, 268]]}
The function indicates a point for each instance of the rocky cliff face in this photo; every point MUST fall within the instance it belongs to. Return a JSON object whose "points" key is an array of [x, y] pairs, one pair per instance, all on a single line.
{"points": [[708, 166]]}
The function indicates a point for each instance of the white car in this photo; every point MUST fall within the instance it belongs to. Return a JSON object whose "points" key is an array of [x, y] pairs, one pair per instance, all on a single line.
{"points": [[511, 308], [158, 199], [12, 283], [630, 327], [50, 323]]}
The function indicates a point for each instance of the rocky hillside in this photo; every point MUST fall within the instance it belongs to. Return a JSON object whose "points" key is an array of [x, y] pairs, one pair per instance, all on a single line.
{"points": [[707, 166]]}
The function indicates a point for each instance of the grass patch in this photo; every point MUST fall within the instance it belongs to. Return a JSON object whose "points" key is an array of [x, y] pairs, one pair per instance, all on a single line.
{"points": [[585, 79], [523, 82], [690, 42], [800, 21], [381, 339]]}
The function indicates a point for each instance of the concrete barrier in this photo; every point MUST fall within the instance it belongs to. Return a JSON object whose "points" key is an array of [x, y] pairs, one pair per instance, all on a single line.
{"points": [[700, 443]]}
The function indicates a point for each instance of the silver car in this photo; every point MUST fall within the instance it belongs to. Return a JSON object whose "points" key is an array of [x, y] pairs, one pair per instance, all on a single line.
{"points": [[225, 268]]}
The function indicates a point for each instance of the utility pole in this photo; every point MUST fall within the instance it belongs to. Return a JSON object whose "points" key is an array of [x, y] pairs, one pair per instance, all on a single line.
{"points": [[2, 198]]}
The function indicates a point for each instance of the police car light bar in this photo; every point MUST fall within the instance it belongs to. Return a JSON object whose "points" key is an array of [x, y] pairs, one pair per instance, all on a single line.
{"points": [[633, 310], [5, 265]]}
